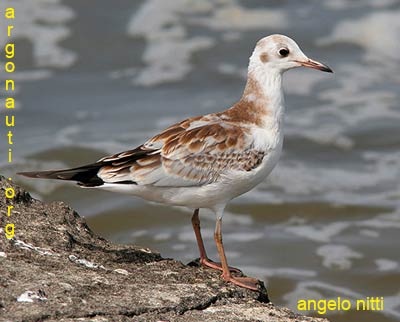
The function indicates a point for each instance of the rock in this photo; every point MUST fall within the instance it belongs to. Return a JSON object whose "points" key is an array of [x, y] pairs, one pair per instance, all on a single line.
{"points": [[56, 269]]}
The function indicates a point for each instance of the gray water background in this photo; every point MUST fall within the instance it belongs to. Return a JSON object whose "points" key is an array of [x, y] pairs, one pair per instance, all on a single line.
{"points": [[99, 77]]}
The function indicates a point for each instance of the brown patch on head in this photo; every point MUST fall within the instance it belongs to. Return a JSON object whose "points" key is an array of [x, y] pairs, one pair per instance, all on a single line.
{"points": [[264, 57]]}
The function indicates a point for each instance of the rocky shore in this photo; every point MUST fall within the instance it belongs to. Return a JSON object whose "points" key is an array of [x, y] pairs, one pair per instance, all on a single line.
{"points": [[56, 269]]}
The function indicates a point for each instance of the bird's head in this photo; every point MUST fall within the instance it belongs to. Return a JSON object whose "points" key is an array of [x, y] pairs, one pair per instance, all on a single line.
{"points": [[281, 53]]}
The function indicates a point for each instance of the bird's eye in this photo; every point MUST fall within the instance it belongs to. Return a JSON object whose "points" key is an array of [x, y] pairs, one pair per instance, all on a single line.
{"points": [[283, 52]]}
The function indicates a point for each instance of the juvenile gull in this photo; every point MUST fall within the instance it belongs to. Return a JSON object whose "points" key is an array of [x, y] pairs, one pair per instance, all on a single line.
{"points": [[205, 161]]}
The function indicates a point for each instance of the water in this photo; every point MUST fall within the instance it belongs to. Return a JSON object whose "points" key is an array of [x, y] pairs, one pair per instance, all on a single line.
{"points": [[94, 80]]}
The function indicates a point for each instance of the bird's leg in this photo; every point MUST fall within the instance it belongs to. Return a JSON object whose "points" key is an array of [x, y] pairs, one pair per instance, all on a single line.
{"points": [[246, 282], [197, 232], [204, 260]]}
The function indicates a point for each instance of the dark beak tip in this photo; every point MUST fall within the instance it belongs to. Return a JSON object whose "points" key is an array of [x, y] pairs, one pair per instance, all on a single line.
{"points": [[322, 67], [316, 65]]}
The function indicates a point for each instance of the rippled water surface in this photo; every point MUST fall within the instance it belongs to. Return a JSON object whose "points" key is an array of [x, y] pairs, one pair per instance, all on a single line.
{"points": [[98, 79]]}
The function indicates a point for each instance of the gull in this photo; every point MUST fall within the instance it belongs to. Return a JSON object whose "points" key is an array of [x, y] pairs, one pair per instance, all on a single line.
{"points": [[206, 161]]}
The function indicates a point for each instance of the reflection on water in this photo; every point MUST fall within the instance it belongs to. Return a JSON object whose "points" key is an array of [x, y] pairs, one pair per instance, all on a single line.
{"points": [[324, 224]]}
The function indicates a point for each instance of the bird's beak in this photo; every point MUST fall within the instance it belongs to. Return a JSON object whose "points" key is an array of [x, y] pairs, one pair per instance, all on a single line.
{"points": [[316, 65]]}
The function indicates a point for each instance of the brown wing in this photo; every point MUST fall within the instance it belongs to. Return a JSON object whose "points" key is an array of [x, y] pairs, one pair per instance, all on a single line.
{"points": [[191, 153]]}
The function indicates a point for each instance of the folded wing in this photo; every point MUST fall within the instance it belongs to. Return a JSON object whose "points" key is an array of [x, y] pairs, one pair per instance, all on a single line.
{"points": [[194, 152], [191, 153]]}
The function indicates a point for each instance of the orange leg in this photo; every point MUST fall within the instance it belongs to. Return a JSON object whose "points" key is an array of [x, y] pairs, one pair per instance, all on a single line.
{"points": [[246, 282], [204, 260]]}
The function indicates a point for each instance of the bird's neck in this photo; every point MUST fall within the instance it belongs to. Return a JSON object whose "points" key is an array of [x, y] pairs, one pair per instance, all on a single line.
{"points": [[262, 100]]}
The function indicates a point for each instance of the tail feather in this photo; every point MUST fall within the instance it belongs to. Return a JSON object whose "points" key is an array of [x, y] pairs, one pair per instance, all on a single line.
{"points": [[85, 175]]}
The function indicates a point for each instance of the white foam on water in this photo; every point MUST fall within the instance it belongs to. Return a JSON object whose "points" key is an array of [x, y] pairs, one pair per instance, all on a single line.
{"points": [[168, 49], [372, 183], [186, 234], [356, 99], [241, 219], [232, 254], [233, 16], [232, 70], [303, 81], [243, 237], [350, 108], [237, 219], [44, 24], [73, 135], [27, 75], [262, 272], [384, 265], [337, 256], [139, 233], [318, 233], [169, 45], [122, 73], [179, 247], [384, 221], [369, 233], [162, 236], [67, 135], [376, 32]]}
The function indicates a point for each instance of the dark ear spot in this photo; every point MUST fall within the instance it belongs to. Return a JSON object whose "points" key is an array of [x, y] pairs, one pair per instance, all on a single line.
{"points": [[264, 57]]}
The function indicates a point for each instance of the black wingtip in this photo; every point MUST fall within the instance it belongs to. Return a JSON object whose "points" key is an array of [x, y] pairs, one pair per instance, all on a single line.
{"points": [[85, 175]]}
